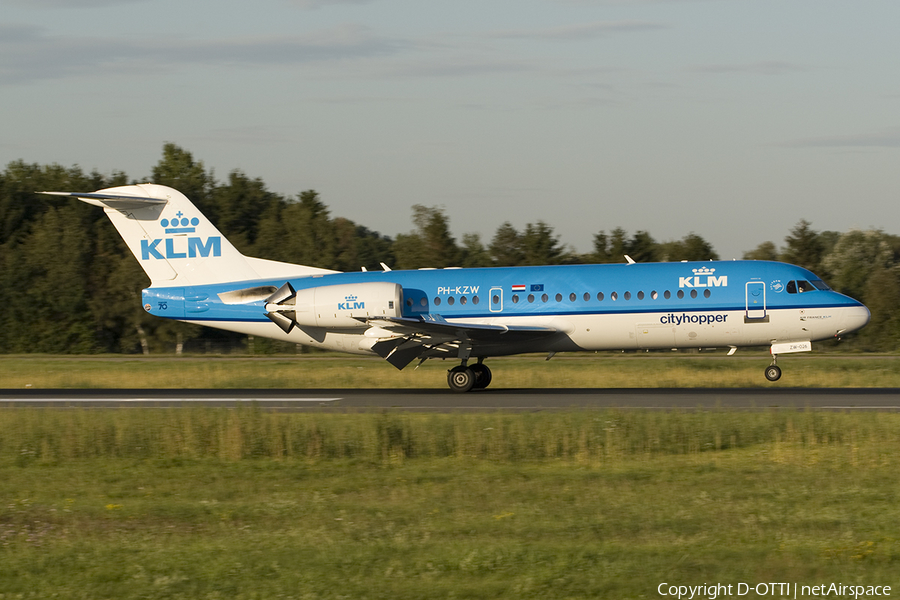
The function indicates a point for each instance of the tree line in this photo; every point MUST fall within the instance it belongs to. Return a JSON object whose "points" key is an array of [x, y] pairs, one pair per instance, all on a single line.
{"points": [[70, 285]]}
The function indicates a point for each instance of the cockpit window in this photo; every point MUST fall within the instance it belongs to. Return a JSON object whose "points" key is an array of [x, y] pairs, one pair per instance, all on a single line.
{"points": [[801, 285], [820, 285]]}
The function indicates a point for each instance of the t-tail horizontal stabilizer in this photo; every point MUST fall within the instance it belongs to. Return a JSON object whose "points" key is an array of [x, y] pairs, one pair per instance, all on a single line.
{"points": [[116, 201], [175, 243]]}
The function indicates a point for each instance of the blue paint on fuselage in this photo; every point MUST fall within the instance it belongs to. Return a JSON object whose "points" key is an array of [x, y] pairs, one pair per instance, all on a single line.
{"points": [[569, 290]]}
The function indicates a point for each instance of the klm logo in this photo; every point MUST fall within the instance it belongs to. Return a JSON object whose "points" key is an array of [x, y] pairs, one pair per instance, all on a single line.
{"points": [[180, 224], [703, 277], [195, 247], [351, 304], [181, 246]]}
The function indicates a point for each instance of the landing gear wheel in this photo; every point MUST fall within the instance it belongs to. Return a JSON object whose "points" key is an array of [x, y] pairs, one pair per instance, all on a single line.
{"points": [[773, 372], [482, 376], [461, 379]]}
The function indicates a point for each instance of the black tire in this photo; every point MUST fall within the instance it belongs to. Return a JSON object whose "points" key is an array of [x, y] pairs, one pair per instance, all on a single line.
{"points": [[483, 376], [773, 372], [461, 379]]}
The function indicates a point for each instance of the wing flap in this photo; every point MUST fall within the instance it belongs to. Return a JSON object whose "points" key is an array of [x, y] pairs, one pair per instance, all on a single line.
{"points": [[436, 325], [432, 335], [399, 352]]}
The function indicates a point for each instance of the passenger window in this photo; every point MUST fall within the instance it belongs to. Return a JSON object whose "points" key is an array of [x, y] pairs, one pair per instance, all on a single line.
{"points": [[515, 298], [530, 298], [707, 293], [640, 295], [680, 294], [437, 301], [693, 293], [572, 297], [475, 300], [423, 302], [614, 296], [463, 300], [667, 294], [495, 299], [409, 302], [559, 297], [587, 296], [600, 296], [627, 295], [544, 298], [451, 300], [654, 295]]}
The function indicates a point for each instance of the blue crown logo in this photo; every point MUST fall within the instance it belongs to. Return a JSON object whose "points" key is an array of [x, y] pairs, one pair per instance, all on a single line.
{"points": [[180, 224], [703, 271], [350, 298]]}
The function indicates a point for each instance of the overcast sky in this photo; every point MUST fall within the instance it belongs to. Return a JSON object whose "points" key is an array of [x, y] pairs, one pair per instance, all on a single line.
{"points": [[733, 119]]}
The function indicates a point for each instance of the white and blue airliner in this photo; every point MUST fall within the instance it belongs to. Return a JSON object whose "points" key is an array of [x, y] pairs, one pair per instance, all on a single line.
{"points": [[468, 315]]}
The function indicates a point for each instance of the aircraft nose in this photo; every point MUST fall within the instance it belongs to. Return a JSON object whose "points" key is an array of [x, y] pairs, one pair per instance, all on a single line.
{"points": [[855, 317]]}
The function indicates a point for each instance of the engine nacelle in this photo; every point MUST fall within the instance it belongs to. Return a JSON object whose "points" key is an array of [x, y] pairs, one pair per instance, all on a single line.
{"points": [[334, 306]]}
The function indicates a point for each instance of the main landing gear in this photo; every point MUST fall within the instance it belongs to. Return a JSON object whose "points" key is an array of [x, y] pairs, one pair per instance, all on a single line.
{"points": [[773, 371], [465, 378]]}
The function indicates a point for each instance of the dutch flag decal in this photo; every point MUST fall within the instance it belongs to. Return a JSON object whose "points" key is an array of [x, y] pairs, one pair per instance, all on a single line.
{"points": [[518, 288]]}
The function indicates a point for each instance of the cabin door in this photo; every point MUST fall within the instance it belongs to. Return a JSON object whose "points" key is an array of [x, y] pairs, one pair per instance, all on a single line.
{"points": [[496, 299], [755, 295]]}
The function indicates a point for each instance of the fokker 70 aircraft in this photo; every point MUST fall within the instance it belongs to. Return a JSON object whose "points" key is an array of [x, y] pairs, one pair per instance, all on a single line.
{"points": [[468, 315]]}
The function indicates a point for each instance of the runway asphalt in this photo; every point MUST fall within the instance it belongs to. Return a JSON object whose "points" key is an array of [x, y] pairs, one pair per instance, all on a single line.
{"points": [[341, 400]]}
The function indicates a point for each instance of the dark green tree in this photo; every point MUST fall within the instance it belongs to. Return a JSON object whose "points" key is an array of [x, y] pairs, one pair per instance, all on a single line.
{"points": [[49, 309], [178, 169], [691, 247], [430, 245], [359, 247], [803, 247], [642, 248], [474, 254], [854, 258], [882, 294], [300, 232], [601, 249], [240, 205], [506, 247], [618, 245], [765, 251], [540, 246], [611, 248]]}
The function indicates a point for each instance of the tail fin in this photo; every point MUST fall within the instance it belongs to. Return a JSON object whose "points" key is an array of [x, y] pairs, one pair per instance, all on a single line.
{"points": [[174, 243]]}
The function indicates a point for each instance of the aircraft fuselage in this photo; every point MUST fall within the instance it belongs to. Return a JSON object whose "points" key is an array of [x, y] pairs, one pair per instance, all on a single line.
{"points": [[593, 307]]}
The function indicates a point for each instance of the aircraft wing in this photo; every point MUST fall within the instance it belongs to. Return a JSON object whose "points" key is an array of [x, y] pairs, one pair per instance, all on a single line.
{"points": [[433, 335]]}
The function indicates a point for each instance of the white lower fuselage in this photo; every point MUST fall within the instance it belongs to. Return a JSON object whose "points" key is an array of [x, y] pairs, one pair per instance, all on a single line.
{"points": [[628, 331]]}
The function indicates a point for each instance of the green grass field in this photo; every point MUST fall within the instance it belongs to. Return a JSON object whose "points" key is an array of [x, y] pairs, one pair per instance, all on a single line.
{"points": [[218, 503], [340, 371]]}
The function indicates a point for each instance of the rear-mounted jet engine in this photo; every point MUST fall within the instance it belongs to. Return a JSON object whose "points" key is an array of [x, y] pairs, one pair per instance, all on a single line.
{"points": [[333, 306]]}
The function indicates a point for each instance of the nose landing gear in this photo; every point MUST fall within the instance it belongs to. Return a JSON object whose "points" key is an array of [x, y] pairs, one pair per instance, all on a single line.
{"points": [[465, 378], [773, 371]]}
